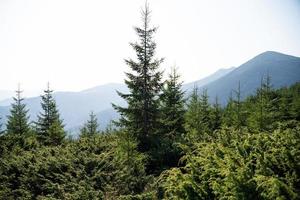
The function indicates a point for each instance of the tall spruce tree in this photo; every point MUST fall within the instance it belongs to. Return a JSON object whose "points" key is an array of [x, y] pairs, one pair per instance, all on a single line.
{"points": [[141, 115], [193, 124], [239, 117], [17, 124], [172, 107], [228, 114], [263, 114], [216, 115], [91, 127], [172, 119], [49, 127], [205, 112]]}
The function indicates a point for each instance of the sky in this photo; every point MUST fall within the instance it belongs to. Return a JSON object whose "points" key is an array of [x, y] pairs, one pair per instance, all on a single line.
{"points": [[76, 44]]}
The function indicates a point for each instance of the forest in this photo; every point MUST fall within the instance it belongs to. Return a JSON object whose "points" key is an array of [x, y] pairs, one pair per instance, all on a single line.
{"points": [[164, 146]]}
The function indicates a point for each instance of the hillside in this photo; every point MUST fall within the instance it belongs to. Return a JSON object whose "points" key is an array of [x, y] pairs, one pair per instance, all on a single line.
{"points": [[211, 78], [284, 70], [75, 106]]}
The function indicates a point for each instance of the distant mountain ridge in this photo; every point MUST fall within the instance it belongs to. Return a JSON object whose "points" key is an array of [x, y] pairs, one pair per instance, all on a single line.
{"points": [[283, 69], [202, 82], [75, 106]]}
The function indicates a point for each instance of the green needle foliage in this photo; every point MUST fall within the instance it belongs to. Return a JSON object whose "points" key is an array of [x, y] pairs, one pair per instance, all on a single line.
{"points": [[192, 124], [172, 129], [91, 127], [164, 149], [17, 125], [49, 128], [198, 116], [216, 115], [141, 115]]}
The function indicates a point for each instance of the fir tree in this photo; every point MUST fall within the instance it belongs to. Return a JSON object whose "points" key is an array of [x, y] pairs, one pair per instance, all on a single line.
{"points": [[205, 112], [49, 125], [141, 115], [91, 127], [216, 115], [17, 124], [198, 116], [263, 114], [192, 116], [56, 133], [239, 117], [172, 108], [229, 112], [172, 118]]}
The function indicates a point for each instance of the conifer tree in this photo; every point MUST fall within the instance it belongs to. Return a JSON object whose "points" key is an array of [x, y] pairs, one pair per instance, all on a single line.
{"points": [[17, 124], [216, 117], [229, 112], [91, 127], [193, 124], [132, 177], [172, 108], [205, 112], [141, 115], [172, 118], [49, 125], [239, 117], [262, 116]]}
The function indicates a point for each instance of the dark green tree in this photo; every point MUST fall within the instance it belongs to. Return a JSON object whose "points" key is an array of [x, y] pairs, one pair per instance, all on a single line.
{"points": [[172, 119], [91, 127], [228, 114], [205, 112], [17, 124], [172, 107], [141, 115], [49, 126], [216, 115], [263, 113], [131, 177], [239, 115], [198, 116], [193, 114]]}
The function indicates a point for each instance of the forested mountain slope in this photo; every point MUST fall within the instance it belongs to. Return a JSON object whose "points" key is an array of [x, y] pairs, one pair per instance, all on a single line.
{"points": [[284, 70]]}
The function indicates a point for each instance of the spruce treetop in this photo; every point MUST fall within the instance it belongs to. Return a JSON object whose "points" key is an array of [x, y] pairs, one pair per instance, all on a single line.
{"points": [[18, 119], [49, 117], [141, 116]]}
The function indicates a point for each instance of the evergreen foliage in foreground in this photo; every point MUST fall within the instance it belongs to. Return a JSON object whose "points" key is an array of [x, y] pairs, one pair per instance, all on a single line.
{"points": [[229, 163], [248, 150]]}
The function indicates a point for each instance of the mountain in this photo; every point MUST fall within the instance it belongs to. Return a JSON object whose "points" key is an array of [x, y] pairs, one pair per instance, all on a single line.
{"points": [[284, 70], [76, 106], [202, 82], [5, 96]]}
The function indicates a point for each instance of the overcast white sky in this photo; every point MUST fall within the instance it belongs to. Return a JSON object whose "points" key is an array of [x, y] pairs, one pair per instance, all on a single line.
{"points": [[80, 44]]}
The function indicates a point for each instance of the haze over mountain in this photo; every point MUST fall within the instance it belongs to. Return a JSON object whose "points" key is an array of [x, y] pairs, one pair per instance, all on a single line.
{"points": [[75, 106], [202, 82], [284, 70]]}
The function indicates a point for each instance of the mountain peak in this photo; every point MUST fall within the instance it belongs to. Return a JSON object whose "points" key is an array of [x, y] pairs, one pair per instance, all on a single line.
{"points": [[271, 55]]}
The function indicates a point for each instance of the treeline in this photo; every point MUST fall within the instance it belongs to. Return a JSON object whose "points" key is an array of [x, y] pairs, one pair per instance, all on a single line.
{"points": [[163, 147]]}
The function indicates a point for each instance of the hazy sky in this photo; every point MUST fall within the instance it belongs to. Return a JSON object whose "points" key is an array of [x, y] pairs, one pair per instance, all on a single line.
{"points": [[80, 44]]}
